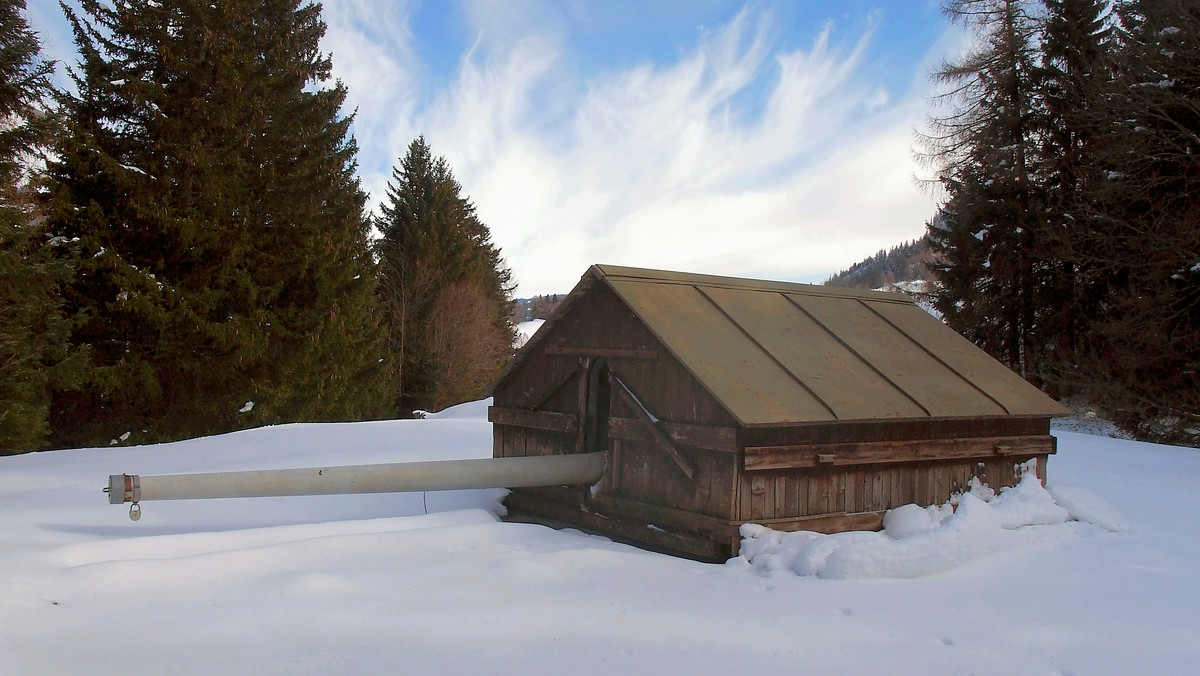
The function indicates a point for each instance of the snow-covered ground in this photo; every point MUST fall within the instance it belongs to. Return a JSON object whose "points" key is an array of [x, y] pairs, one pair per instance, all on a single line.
{"points": [[436, 583], [525, 330]]}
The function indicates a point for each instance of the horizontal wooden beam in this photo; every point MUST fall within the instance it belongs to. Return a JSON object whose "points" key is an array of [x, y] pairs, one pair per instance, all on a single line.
{"points": [[624, 527], [696, 436], [667, 517], [836, 522], [542, 420], [650, 424], [882, 452], [606, 352]]}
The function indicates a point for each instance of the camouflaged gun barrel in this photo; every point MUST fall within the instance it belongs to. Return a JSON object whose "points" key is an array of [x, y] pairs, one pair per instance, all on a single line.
{"points": [[437, 475]]}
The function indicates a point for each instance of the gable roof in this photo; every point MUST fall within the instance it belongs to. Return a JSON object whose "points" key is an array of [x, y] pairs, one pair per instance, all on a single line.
{"points": [[780, 352]]}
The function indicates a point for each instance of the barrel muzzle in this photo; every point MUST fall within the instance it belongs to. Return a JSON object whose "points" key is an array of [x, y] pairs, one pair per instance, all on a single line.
{"points": [[124, 488]]}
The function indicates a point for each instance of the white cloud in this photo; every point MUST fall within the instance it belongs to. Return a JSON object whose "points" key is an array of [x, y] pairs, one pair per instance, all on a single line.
{"points": [[658, 165], [373, 55]]}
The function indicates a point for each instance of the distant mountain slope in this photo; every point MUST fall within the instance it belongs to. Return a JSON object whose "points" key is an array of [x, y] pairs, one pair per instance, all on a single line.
{"points": [[889, 269]]}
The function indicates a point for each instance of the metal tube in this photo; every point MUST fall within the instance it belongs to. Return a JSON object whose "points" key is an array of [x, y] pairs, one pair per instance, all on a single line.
{"points": [[437, 475]]}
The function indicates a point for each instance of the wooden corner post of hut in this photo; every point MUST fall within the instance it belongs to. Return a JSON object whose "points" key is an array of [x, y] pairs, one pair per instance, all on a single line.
{"points": [[721, 401]]}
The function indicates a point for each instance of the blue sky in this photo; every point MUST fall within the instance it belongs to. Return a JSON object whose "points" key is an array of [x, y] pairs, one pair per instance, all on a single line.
{"points": [[766, 139]]}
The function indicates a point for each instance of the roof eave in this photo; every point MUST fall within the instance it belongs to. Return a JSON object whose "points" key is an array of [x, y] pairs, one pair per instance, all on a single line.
{"points": [[871, 421]]}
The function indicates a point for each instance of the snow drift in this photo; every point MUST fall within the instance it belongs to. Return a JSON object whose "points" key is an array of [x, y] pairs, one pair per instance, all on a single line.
{"points": [[1098, 574], [919, 541]]}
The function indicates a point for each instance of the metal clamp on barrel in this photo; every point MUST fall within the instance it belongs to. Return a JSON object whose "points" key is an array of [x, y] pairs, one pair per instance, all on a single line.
{"points": [[124, 488]]}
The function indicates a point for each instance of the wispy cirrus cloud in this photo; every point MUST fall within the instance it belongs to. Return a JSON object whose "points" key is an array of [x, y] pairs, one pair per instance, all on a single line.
{"points": [[759, 144], [735, 157]]}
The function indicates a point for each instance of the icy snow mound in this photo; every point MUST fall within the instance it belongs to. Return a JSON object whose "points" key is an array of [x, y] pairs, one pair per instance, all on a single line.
{"points": [[917, 541], [1083, 505]]}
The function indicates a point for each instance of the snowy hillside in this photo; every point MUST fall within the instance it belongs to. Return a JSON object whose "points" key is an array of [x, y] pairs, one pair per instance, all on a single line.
{"points": [[1107, 583], [525, 331]]}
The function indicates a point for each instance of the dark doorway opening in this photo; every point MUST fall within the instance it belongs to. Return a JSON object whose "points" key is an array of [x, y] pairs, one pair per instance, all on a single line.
{"points": [[595, 421]]}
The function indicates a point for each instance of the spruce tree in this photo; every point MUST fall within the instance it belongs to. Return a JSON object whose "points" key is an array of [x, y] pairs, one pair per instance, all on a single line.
{"points": [[437, 260], [33, 332], [960, 267], [208, 180], [1076, 80], [984, 152], [1100, 226], [1146, 351]]}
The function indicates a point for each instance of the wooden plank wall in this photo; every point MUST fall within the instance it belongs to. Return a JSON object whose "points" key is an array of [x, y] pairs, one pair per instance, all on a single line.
{"points": [[641, 476], [790, 494], [642, 472], [511, 441], [899, 430]]}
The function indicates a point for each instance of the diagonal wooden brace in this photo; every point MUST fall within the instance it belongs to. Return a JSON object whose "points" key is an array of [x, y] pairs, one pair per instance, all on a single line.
{"points": [[650, 422], [557, 386]]}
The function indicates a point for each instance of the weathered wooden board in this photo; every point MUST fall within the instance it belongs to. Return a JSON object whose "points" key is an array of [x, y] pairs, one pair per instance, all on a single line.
{"points": [[542, 420], [828, 523], [659, 515], [807, 492], [900, 430], [606, 352], [512, 441], [698, 436], [624, 525], [877, 452], [641, 471]]}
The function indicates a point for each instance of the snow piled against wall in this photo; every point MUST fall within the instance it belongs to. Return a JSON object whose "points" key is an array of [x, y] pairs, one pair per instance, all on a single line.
{"points": [[918, 541]]}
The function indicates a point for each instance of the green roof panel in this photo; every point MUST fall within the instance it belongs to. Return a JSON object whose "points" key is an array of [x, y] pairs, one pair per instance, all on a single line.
{"points": [[809, 353], [738, 373], [789, 353]]}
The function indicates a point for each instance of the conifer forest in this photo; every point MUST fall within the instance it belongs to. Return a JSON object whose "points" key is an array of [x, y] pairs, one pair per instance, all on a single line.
{"points": [[1068, 243], [193, 255], [185, 247]]}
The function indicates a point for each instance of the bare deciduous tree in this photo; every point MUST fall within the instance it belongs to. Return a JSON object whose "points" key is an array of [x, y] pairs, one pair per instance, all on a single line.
{"points": [[468, 349]]}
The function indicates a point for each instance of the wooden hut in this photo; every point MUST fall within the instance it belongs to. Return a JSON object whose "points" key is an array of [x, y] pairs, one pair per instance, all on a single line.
{"points": [[722, 401]]}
